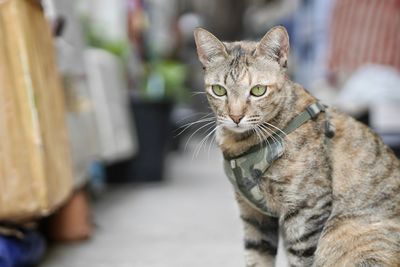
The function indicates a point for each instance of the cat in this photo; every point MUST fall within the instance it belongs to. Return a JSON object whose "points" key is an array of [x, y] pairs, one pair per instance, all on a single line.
{"points": [[333, 193]]}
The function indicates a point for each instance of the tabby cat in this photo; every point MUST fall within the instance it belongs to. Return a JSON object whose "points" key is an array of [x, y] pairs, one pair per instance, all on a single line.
{"points": [[335, 199]]}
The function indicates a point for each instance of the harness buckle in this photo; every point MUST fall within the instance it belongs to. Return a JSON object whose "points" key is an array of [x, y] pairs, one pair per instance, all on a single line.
{"points": [[233, 164], [329, 129], [314, 109]]}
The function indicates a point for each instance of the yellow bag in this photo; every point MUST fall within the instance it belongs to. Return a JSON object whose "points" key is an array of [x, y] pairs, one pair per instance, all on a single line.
{"points": [[35, 165]]}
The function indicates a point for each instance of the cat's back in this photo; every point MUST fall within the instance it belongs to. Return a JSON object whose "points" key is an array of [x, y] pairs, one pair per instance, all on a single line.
{"points": [[364, 225], [365, 172]]}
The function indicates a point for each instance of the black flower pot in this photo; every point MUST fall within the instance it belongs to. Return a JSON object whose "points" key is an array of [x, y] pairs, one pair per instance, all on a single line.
{"points": [[153, 128]]}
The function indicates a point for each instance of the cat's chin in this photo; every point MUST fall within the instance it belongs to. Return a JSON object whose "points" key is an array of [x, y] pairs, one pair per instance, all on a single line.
{"points": [[237, 129]]}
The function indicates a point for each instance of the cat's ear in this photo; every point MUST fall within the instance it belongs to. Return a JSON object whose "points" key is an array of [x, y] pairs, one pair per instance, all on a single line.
{"points": [[275, 45], [209, 49]]}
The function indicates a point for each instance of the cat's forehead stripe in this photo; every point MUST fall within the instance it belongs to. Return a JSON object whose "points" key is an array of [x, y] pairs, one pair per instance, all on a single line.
{"points": [[238, 67], [237, 51]]}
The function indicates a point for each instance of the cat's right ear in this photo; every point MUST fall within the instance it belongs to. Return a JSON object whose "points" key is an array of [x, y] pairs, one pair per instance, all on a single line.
{"points": [[209, 49]]}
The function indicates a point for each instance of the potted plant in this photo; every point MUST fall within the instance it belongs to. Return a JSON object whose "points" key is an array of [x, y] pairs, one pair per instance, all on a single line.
{"points": [[163, 86]]}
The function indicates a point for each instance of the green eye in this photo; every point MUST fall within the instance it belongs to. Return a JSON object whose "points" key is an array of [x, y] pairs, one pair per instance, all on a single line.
{"points": [[258, 90], [218, 90]]}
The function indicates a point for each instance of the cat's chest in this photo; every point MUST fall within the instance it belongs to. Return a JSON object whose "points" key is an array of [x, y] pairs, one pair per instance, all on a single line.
{"points": [[270, 182], [247, 174]]}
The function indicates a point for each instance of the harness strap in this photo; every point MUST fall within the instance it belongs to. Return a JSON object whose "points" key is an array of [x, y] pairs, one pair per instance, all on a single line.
{"points": [[311, 112], [245, 171]]}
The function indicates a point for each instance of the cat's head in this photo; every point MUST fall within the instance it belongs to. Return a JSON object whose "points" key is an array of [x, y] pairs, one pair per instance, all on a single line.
{"points": [[243, 80]]}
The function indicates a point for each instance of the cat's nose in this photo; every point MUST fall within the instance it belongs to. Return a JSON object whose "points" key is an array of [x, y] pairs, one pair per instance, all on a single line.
{"points": [[236, 118]]}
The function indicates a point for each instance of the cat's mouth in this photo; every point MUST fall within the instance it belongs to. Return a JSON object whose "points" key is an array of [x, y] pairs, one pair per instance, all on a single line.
{"points": [[245, 125], [237, 128]]}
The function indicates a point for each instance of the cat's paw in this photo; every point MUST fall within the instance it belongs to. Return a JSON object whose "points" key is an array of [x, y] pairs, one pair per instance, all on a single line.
{"points": [[255, 259]]}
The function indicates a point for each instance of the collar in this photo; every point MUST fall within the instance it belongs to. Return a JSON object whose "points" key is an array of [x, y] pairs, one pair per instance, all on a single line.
{"points": [[245, 171]]}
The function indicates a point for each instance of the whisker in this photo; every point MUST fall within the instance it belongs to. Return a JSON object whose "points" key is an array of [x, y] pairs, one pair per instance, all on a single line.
{"points": [[203, 142], [207, 116], [207, 124], [204, 114], [207, 132], [194, 122], [198, 93], [188, 125], [257, 135], [265, 138], [273, 126], [271, 134], [284, 141], [212, 140]]}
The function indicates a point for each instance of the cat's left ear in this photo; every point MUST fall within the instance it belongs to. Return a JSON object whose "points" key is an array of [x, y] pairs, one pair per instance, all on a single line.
{"points": [[275, 45]]}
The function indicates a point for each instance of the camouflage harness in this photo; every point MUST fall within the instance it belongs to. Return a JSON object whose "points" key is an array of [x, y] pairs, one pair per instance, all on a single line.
{"points": [[246, 170]]}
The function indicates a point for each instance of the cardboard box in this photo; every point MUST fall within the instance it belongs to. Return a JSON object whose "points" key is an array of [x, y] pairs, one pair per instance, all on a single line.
{"points": [[35, 165]]}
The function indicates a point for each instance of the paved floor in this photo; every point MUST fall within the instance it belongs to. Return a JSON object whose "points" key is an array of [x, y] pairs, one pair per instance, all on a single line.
{"points": [[188, 221]]}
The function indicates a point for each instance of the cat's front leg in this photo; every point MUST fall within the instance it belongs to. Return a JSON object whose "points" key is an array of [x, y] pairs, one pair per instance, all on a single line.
{"points": [[260, 236], [302, 226]]}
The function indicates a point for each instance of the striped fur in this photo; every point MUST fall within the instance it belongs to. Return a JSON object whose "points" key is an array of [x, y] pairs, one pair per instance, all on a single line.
{"points": [[338, 201]]}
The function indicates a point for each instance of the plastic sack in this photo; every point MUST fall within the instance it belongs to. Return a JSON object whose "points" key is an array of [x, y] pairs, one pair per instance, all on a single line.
{"points": [[35, 164], [21, 252]]}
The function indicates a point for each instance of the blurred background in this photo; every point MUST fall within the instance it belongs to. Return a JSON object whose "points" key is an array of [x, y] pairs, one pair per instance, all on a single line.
{"points": [[107, 156]]}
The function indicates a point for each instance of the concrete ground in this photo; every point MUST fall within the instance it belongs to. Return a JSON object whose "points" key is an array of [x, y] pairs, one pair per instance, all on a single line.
{"points": [[190, 220]]}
